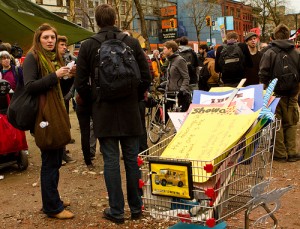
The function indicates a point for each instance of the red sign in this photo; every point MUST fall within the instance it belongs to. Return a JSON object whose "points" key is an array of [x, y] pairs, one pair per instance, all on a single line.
{"points": [[168, 11]]}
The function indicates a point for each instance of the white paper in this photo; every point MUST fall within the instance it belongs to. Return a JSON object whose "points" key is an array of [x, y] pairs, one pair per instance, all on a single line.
{"points": [[177, 119], [71, 64]]}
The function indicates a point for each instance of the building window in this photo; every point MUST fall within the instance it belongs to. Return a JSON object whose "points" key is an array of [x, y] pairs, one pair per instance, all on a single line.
{"points": [[152, 27], [39, 1], [238, 13], [231, 12]]}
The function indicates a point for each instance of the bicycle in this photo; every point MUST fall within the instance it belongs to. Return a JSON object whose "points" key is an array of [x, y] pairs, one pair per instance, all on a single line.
{"points": [[157, 126]]}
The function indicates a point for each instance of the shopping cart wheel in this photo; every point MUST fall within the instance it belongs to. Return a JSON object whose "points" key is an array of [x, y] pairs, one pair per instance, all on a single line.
{"points": [[22, 160]]}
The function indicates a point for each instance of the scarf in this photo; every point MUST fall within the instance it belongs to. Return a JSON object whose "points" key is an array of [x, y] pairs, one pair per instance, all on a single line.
{"points": [[47, 68]]}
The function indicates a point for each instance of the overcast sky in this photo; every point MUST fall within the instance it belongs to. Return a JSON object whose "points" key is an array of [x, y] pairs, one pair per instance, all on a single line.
{"points": [[294, 5]]}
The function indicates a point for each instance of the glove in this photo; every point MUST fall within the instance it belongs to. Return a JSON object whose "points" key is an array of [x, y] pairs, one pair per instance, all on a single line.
{"points": [[68, 96]]}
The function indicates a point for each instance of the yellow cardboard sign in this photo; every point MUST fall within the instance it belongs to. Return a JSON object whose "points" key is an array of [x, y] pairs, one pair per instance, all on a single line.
{"points": [[205, 136]]}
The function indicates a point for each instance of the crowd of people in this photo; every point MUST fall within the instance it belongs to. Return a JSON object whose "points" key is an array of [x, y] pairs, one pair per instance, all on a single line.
{"points": [[120, 123]]}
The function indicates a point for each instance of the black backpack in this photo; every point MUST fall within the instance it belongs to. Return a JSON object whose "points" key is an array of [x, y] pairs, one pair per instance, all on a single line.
{"points": [[189, 57], [231, 61], [204, 75], [284, 68], [117, 74]]}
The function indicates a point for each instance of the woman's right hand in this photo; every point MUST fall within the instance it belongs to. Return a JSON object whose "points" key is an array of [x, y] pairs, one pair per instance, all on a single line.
{"points": [[62, 72]]}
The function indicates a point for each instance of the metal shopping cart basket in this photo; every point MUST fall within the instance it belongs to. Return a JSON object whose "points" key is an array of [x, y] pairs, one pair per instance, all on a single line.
{"points": [[229, 186]]}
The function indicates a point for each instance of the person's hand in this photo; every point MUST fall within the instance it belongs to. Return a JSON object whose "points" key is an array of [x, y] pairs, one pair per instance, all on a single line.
{"points": [[62, 72], [72, 71], [68, 96]]}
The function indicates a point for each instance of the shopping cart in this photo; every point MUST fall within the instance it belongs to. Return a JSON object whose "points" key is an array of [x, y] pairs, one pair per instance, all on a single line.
{"points": [[230, 185]]}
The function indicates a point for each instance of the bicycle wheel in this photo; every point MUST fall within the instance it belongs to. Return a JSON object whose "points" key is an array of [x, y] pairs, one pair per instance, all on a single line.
{"points": [[155, 128]]}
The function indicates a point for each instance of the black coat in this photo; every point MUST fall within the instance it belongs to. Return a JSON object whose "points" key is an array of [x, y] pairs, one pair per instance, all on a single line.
{"points": [[114, 118]]}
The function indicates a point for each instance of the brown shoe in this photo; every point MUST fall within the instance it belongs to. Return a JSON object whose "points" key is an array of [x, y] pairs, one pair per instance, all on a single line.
{"points": [[65, 214], [66, 204]]}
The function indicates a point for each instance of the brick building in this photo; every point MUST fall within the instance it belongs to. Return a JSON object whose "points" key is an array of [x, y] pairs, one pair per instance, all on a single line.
{"points": [[242, 16]]}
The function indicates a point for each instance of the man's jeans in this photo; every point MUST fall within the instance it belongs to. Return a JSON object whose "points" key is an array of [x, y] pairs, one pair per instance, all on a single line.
{"points": [[111, 155], [51, 163]]}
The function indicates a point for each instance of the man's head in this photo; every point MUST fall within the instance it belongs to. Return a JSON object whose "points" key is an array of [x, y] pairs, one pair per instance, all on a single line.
{"points": [[105, 15], [281, 32], [203, 49], [62, 42], [232, 37], [169, 48], [184, 41], [251, 39]]}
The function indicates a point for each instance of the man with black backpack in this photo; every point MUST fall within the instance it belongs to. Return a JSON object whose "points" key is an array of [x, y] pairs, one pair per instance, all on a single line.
{"points": [[113, 73], [191, 58], [282, 61], [231, 60]]}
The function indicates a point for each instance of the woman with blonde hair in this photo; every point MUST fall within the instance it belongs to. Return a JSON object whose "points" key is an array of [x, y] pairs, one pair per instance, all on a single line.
{"points": [[43, 67]]}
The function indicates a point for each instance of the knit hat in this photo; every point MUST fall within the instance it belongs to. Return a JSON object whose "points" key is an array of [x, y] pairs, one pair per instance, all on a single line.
{"points": [[249, 35]]}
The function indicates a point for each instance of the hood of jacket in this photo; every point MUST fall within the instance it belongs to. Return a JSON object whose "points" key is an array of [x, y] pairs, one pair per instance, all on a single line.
{"points": [[283, 44], [183, 48]]}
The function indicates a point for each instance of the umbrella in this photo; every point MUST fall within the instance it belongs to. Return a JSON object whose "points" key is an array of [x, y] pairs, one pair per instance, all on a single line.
{"points": [[20, 18]]}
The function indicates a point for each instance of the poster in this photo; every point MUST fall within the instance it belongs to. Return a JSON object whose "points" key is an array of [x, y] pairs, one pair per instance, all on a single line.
{"points": [[204, 137], [216, 91]]}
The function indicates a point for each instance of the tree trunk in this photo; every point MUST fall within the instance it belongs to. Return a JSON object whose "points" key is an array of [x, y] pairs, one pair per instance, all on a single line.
{"points": [[72, 11], [143, 23]]}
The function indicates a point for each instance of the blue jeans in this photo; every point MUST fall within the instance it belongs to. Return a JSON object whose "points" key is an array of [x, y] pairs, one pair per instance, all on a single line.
{"points": [[51, 163], [111, 155]]}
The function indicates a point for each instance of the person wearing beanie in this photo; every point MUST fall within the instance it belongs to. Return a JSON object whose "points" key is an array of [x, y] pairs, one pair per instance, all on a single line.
{"points": [[282, 61], [251, 73]]}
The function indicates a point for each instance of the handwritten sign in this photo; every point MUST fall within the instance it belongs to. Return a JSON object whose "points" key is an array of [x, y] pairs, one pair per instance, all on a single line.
{"points": [[205, 136]]}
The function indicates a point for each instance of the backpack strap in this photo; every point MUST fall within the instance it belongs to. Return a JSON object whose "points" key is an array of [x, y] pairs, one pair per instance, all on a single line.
{"points": [[121, 36], [277, 50], [99, 38]]}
